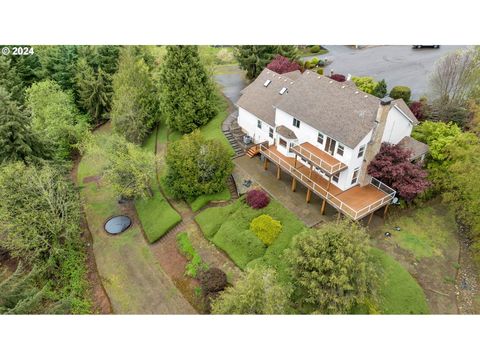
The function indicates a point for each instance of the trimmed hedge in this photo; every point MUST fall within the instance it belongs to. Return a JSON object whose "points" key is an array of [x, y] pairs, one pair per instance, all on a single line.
{"points": [[266, 228]]}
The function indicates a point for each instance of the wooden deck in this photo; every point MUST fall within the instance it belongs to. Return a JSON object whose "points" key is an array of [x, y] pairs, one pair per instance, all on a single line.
{"points": [[356, 202], [319, 158]]}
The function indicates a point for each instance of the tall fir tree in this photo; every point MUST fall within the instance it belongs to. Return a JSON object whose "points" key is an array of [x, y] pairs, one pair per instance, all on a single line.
{"points": [[17, 140], [94, 89], [135, 107], [187, 92]]}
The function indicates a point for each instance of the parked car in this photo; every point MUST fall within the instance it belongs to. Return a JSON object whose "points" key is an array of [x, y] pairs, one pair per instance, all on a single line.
{"points": [[424, 46]]}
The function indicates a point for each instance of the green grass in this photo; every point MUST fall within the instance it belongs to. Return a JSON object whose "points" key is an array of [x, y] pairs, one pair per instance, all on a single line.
{"points": [[203, 200], [426, 231], [156, 215], [228, 228], [399, 293], [195, 263]]}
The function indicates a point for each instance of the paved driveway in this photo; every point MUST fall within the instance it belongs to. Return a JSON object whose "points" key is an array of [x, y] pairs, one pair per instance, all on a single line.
{"points": [[398, 65]]}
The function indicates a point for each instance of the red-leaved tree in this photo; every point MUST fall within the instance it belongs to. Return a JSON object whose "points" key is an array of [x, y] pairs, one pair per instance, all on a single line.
{"points": [[392, 166], [281, 65]]}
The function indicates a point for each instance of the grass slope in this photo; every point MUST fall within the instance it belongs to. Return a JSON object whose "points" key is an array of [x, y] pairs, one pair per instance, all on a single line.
{"points": [[399, 292]]}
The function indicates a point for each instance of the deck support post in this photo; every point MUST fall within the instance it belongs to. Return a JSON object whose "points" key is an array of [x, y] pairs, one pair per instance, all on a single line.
{"points": [[294, 184], [309, 195], [278, 172], [385, 212], [265, 164], [324, 205], [370, 218]]}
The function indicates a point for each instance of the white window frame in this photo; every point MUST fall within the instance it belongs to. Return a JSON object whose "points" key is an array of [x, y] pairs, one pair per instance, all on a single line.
{"points": [[322, 137], [361, 151], [355, 174], [341, 148]]}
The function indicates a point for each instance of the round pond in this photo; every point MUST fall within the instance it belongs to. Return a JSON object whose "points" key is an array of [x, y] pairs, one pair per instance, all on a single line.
{"points": [[117, 224]]}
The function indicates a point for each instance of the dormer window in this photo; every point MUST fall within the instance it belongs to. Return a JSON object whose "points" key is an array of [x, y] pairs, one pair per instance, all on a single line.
{"points": [[267, 83], [296, 123], [283, 91]]}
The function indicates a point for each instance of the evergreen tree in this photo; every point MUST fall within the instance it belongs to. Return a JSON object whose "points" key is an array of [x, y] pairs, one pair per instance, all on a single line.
{"points": [[380, 89], [331, 268], [94, 90], [254, 58], [187, 92], [58, 64], [10, 80], [135, 100], [17, 140]]}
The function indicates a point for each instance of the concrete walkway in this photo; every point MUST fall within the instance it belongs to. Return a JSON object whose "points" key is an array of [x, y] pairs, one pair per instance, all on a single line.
{"points": [[252, 169]]}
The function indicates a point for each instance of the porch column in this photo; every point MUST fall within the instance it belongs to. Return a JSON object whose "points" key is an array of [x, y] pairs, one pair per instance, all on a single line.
{"points": [[370, 218], [294, 184], [385, 211], [278, 172], [265, 164], [309, 195], [324, 205]]}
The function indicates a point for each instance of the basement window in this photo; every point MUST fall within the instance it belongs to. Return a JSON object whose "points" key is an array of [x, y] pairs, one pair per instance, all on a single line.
{"points": [[267, 83], [281, 92]]}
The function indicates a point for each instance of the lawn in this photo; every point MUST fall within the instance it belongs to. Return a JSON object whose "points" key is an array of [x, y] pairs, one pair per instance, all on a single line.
{"points": [[228, 227], [426, 231], [156, 215], [132, 277], [399, 293]]}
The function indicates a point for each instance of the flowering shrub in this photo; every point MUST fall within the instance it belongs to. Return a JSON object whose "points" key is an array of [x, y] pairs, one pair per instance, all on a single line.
{"points": [[266, 228], [338, 77], [257, 199]]}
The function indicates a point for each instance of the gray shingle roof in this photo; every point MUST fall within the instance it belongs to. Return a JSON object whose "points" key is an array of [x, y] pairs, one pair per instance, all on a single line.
{"points": [[260, 100], [285, 132], [416, 147], [338, 109]]}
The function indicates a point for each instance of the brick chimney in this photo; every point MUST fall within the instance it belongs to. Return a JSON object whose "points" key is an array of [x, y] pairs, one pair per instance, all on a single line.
{"points": [[373, 146]]}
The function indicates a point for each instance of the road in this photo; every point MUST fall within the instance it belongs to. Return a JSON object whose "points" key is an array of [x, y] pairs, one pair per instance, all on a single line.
{"points": [[398, 65]]}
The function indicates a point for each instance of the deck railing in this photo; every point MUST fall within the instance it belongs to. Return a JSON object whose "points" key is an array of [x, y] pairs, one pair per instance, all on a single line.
{"points": [[307, 154], [323, 192]]}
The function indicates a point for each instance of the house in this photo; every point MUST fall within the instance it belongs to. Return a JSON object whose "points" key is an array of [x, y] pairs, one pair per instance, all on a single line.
{"points": [[324, 134]]}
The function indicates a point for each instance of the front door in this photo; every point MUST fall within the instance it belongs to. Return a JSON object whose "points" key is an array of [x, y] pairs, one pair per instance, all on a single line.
{"points": [[330, 145]]}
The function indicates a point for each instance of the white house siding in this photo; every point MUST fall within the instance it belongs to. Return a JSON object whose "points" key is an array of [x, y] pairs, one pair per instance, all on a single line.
{"points": [[397, 127], [248, 122]]}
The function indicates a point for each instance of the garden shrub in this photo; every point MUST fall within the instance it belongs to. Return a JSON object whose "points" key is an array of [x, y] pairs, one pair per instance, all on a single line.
{"points": [[401, 92], [257, 199], [266, 228], [320, 71], [315, 49], [212, 280], [338, 77]]}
